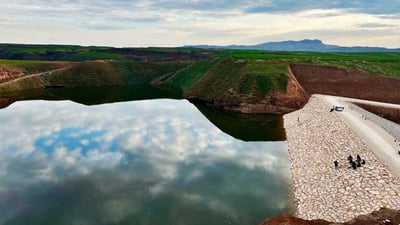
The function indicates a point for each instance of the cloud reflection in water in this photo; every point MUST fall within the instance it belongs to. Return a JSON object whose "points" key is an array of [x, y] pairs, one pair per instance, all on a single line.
{"points": [[144, 162]]}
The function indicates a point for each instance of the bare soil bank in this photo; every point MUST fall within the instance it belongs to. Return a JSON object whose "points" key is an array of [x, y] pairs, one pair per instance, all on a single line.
{"points": [[9, 73], [387, 113], [305, 80], [353, 83]]}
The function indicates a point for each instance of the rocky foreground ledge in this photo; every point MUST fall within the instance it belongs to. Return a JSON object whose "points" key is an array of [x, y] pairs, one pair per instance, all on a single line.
{"points": [[316, 138], [381, 217]]}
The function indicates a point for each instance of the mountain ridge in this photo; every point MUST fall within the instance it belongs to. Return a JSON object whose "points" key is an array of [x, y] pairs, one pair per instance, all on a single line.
{"points": [[312, 45]]}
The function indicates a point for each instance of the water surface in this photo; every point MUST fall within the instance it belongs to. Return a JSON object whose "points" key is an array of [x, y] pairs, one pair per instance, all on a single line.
{"points": [[143, 162], [247, 127]]}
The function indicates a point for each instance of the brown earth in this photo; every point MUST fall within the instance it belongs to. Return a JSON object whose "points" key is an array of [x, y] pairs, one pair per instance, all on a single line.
{"points": [[382, 217], [391, 114], [279, 102], [353, 83], [305, 80], [9, 73], [6, 101]]}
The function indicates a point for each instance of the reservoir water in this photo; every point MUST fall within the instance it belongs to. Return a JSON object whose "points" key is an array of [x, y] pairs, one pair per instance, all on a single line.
{"points": [[139, 162]]}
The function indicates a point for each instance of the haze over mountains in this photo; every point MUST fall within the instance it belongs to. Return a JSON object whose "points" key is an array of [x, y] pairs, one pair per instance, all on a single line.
{"points": [[303, 45]]}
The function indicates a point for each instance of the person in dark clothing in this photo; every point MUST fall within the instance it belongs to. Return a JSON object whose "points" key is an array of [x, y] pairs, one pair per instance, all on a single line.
{"points": [[358, 158], [350, 158], [336, 164], [354, 165]]}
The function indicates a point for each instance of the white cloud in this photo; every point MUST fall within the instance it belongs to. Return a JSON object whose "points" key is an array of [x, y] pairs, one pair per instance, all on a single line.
{"points": [[151, 143], [84, 142], [167, 23], [178, 134]]}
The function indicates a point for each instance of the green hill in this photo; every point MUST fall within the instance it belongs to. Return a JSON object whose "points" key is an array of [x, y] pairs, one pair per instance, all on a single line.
{"points": [[234, 80], [239, 80], [111, 73]]}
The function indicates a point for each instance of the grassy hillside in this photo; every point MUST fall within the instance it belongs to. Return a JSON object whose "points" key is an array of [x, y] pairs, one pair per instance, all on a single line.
{"points": [[187, 77], [81, 53], [235, 79], [266, 75], [32, 66], [225, 77], [386, 64], [113, 73]]}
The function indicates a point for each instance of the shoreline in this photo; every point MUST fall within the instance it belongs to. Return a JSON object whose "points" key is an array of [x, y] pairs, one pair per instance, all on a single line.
{"points": [[316, 138]]}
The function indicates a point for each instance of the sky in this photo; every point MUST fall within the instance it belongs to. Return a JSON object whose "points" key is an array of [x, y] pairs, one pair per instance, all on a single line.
{"points": [[167, 23]]}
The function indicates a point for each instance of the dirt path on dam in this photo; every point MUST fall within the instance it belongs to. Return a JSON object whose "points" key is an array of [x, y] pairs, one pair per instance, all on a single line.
{"points": [[383, 144], [316, 139]]}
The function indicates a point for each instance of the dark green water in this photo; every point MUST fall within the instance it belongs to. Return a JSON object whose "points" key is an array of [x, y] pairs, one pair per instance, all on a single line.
{"points": [[141, 162], [246, 127]]}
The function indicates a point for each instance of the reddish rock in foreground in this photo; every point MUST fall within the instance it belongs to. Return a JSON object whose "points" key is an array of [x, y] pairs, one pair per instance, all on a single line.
{"points": [[291, 220], [382, 217]]}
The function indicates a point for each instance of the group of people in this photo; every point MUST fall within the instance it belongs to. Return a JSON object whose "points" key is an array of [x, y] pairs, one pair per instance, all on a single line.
{"points": [[352, 164]]}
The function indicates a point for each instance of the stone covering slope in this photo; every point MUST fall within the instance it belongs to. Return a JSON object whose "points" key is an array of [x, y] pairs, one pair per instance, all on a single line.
{"points": [[316, 138]]}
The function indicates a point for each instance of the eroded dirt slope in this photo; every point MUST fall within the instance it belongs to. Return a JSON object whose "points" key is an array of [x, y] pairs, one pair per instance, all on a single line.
{"points": [[9, 73], [387, 113], [352, 83]]}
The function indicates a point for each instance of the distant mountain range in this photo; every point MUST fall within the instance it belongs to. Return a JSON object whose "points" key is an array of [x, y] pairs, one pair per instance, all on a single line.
{"points": [[303, 45]]}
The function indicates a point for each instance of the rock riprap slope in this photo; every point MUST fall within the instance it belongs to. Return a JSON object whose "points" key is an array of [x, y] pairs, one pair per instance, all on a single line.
{"points": [[316, 138]]}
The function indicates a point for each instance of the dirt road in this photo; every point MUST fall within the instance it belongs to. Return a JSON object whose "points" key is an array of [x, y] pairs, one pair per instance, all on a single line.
{"points": [[32, 75]]}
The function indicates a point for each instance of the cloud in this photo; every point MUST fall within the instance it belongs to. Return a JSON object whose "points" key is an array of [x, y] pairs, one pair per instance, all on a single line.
{"points": [[171, 23], [368, 6], [177, 134], [375, 25]]}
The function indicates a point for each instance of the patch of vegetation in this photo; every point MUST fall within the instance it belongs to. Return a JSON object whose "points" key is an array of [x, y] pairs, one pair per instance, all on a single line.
{"points": [[386, 64], [82, 53], [185, 78], [219, 81], [265, 75], [386, 69], [268, 74], [245, 84], [234, 79], [319, 56], [111, 73], [31, 66], [83, 56]]}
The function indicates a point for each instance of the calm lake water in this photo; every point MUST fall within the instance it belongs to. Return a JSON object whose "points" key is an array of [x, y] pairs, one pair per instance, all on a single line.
{"points": [[140, 162]]}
